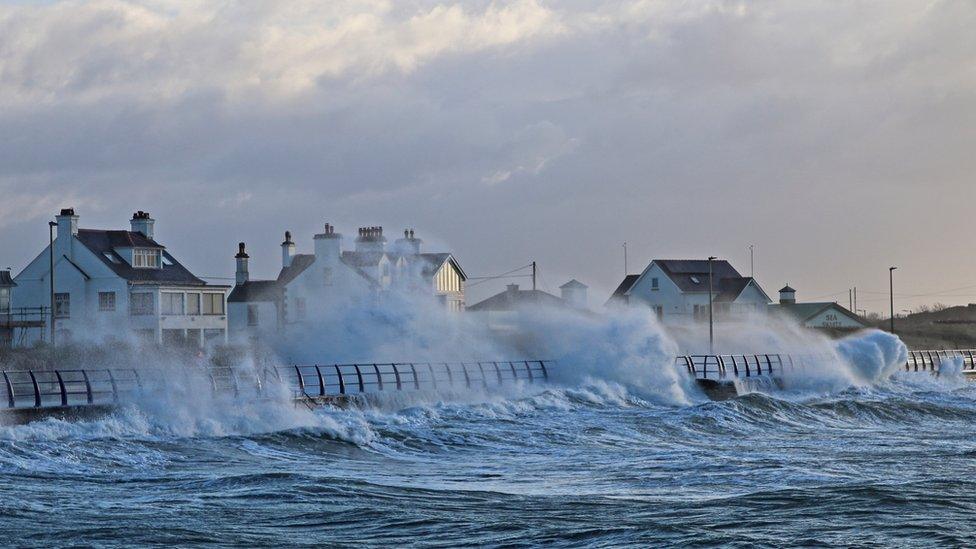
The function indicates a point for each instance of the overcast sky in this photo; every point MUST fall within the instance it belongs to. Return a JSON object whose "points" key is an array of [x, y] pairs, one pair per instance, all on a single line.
{"points": [[838, 137]]}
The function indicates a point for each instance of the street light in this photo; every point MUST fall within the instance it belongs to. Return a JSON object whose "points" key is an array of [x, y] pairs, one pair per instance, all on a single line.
{"points": [[891, 293], [711, 321], [51, 225]]}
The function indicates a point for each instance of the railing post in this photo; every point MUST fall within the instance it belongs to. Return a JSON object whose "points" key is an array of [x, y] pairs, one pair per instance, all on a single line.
{"points": [[342, 383], [318, 372], [467, 379], [450, 375], [10, 391], [545, 372], [396, 376], [61, 387], [115, 388], [416, 382], [88, 389], [135, 374], [512, 366], [498, 373], [359, 376], [484, 378], [301, 380], [528, 370], [379, 377], [37, 390], [433, 376]]}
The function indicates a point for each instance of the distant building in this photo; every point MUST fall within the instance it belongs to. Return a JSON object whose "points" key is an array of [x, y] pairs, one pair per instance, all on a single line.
{"points": [[677, 290], [503, 311], [309, 284], [109, 284], [819, 315]]}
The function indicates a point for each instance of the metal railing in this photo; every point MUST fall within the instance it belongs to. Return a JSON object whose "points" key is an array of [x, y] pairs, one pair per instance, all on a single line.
{"points": [[351, 379], [21, 389], [931, 361]]}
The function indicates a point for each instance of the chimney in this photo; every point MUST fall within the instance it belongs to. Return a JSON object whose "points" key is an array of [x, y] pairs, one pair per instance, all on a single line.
{"points": [[787, 295], [67, 228], [512, 289], [328, 245], [142, 223], [371, 239], [287, 251], [408, 245], [241, 276]]}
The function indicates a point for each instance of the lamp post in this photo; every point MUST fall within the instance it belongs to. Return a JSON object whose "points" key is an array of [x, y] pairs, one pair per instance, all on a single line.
{"points": [[891, 295], [51, 225], [711, 318]]}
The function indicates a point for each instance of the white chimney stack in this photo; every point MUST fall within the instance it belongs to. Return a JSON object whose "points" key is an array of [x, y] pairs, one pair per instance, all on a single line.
{"points": [[142, 223], [328, 245], [67, 228], [409, 244], [287, 251], [574, 293], [241, 276], [371, 239]]}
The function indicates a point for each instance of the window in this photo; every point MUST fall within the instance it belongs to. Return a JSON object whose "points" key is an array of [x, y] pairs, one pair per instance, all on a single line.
{"points": [[111, 257], [62, 305], [659, 311], [701, 312], [213, 304], [4, 300], [252, 315], [300, 308], [695, 280], [171, 303], [141, 304], [654, 284], [145, 258], [167, 261], [106, 301], [327, 276], [212, 336], [193, 303]]}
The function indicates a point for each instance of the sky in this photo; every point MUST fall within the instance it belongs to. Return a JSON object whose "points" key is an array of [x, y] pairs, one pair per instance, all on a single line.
{"points": [[837, 138]]}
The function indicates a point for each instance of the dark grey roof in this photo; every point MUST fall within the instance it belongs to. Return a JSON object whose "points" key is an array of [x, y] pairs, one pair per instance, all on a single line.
{"points": [[574, 284], [5, 279], [433, 262], [509, 300], [256, 290], [299, 262], [806, 311], [684, 272], [787, 289], [102, 242], [625, 286], [362, 259]]}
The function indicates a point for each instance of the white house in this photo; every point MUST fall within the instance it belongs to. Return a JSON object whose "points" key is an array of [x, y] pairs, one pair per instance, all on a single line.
{"points": [[310, 283], [828, 316], [503, 312], [677, 290], [110, 284]]}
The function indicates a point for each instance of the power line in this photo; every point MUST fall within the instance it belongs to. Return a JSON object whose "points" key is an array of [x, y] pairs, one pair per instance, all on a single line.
{"points": [[507, 274]]}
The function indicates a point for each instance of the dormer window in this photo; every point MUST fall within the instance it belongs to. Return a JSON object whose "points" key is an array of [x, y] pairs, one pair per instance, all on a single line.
{"points": [[111, 257], [145, 258]]}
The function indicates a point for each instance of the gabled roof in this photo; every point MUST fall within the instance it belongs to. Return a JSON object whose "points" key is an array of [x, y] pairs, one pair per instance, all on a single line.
{"points": [[806, 311], [685, 272], [574, 284], [256, 290], [729, 289], [432, 262], [362, 259], [509, 300], [299, 262], [624, 287], [102, 242]]}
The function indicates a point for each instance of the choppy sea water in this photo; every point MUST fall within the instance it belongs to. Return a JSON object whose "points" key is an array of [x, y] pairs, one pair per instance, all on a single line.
{"points": [[593, 465]]}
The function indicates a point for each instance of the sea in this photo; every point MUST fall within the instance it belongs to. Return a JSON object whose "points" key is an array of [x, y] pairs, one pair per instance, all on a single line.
{"points": [[593, 463]]}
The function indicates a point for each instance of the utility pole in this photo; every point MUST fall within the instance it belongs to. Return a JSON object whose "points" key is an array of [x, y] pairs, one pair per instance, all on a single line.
{"points": [[850, 299], [855, 299], [51, 225], [891, 293], [533, 275], [711, 319], [626, 270]]}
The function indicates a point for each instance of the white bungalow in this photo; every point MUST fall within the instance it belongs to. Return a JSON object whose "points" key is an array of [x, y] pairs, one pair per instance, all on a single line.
{"points": [[677, 290], [827, 316], [111, 284]]}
